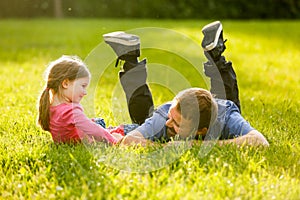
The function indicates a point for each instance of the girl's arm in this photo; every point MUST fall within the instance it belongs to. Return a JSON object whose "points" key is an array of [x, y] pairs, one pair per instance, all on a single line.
{"points": [[91, 129]]}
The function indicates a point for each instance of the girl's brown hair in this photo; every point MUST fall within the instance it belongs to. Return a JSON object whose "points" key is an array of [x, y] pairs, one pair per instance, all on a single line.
{"points": [[64, 68]]}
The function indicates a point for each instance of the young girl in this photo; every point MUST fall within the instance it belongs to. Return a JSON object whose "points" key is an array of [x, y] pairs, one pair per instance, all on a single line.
{"points": [[60, 111]]}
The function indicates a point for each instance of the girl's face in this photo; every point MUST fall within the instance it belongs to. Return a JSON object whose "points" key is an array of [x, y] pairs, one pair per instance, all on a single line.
{"points": [[75, 90]]}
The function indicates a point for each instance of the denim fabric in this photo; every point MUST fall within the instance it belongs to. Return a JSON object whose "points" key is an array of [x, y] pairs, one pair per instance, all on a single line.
{"points": [[129, 127], [229, 124]]}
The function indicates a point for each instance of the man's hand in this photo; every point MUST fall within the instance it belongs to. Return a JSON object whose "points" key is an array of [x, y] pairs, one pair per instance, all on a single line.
{"points": [[117, 136], [135, 137]]}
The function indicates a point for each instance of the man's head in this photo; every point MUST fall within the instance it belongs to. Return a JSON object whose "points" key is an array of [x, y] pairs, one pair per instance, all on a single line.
{"points": [[192, 112]]}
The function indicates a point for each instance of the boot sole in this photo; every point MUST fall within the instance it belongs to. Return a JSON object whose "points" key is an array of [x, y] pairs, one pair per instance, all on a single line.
{"points": [[123, 38], [211, 34]]}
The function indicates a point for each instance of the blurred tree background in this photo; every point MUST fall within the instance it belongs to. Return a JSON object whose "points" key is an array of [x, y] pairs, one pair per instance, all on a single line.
{"points": [[175, 9]]}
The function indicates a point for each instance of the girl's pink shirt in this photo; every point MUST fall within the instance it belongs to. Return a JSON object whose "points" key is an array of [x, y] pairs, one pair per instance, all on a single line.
{"points": [[68, 123]]}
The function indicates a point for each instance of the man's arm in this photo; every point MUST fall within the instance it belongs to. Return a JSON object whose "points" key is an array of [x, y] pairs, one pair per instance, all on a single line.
{"points": [[253, 138], [135, 137], [153, 127]]}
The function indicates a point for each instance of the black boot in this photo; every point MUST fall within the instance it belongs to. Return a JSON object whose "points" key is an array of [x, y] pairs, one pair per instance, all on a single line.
{"points": [[221, 73], [138, 95], [213, 43], [126, 46], [223, 80]]}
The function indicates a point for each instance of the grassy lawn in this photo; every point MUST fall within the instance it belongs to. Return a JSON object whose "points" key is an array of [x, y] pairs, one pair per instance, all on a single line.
{"points": [[265, 55]]}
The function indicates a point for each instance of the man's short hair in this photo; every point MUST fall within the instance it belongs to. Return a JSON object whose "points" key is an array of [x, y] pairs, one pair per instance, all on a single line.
{"points": [[197, 105]]}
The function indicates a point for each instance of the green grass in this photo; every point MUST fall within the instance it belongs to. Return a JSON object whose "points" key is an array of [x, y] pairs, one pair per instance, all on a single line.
{"points": [[265, 55]]}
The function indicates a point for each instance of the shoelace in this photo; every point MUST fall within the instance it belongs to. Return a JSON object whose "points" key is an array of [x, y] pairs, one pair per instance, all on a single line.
{"points": [[117, 62]]}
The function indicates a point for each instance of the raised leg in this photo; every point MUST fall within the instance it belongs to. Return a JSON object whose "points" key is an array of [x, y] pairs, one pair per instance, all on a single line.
{"points": [[221, 73], [133, 76]]}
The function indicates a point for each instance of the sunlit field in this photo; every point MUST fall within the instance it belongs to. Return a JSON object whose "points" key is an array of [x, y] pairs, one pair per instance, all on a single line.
{"points": [[265, 55]]}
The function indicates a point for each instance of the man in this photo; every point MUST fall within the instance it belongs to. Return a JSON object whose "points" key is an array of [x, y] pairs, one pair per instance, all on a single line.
{"points": [[194, 113]]}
